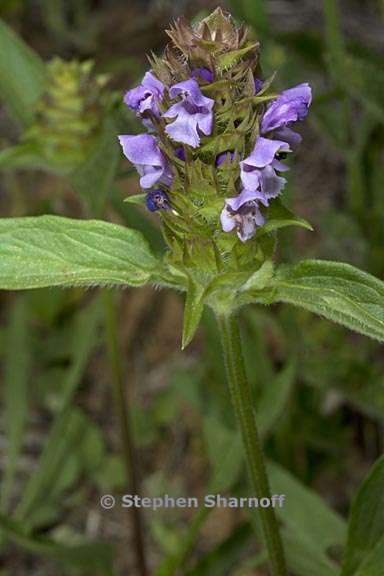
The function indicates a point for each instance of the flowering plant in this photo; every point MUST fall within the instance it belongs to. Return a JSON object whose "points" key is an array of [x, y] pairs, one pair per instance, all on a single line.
{"points": [[211, 160], [215, 143]]}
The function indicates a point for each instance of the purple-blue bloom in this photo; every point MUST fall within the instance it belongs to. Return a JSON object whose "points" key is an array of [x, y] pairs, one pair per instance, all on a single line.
{"points": [[146, 96], [242, 213], [180, 153], [290, 106], [258, 170], [193, 112], [157, 200], [202, 73], [224, 156], [142, 150], [258, 85]]}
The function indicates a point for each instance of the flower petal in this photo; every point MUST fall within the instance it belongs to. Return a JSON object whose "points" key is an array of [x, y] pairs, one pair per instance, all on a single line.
{"points": [[291, 106]]}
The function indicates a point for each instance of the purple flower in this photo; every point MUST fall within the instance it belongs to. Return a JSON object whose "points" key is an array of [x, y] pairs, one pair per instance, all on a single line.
{"points": [[292, 138], [224, 156], [258, 85], [146, 96], [243, 214], [258, 171], [157, 200], [291, 106], [180, 153], [202, 73], [142, 150], [193, 112]]}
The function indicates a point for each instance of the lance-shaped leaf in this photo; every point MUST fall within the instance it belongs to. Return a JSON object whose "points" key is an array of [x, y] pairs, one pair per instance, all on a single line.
{"points": [[336, 291], [365, 546], [22, 75], [54, 251]]}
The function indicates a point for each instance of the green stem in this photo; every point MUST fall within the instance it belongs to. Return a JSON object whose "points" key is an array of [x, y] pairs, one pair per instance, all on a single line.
{"points": [[242, 402], [125, 427]]}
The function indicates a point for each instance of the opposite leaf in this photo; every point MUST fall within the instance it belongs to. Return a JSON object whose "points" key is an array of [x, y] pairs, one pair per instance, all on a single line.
{"points": [[337, 291], [53, 251]]}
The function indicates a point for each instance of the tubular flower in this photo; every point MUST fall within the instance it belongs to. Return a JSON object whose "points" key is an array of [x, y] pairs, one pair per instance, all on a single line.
{"points": [[146, 156], [145, 98], [242, 213], [193, 112], [212, 164]]}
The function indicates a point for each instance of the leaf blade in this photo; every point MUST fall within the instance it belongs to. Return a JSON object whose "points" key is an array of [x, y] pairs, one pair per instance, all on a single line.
{"points": [[339, 292], [366, 524], [20, 91], [46, 251]]}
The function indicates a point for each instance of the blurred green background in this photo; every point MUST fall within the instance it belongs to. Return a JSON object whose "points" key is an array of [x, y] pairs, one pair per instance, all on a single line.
{"points": [[319, 388]]}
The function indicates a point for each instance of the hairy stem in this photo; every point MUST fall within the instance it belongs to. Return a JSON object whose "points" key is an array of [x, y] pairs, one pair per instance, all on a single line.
{"points": [[242, 401], [125, 428]]}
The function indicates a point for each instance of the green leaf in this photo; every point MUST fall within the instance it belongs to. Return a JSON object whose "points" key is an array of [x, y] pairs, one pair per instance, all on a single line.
{"points": [[322, 526], [135, 199], [15, 391], [274, 397], [304, 557], [225, 454], [225, 556], [193, 310], [337, 291], [69, 433], [373, 564], [97, 557], [261, 278], [50, 477], [278, 216], [311, 527], [22, 75], [365, 542], [54, 251]]}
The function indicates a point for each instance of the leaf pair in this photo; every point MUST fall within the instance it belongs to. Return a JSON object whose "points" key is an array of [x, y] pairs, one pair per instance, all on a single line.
{"points": [[54, 251]]}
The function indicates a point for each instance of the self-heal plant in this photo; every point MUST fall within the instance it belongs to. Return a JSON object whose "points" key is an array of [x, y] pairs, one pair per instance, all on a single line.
{"points": [[215, 142]]}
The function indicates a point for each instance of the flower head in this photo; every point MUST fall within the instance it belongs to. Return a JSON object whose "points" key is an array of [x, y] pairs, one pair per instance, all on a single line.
{"points": [[212, 165], [146, 97], [142, 150], [193, 112]]}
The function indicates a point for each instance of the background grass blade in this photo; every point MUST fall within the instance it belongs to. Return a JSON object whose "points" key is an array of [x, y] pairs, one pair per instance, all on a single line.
{"points": [[22, 75], [15, 390]]}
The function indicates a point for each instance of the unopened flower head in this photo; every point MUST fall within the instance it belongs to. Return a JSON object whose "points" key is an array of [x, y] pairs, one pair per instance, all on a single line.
{"points": [[217, 138], [68, 111]]}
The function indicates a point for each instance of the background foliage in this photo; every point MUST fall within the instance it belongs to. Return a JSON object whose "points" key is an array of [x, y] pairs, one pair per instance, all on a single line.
{"points": [[319, 388]]}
